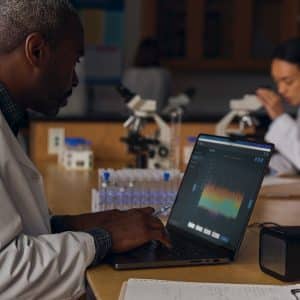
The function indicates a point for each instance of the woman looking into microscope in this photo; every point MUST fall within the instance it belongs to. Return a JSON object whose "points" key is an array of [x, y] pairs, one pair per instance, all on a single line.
{"points": [[284, 130]]}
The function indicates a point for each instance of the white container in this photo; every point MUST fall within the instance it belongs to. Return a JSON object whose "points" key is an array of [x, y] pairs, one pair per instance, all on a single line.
{"points": [[76, 154]]}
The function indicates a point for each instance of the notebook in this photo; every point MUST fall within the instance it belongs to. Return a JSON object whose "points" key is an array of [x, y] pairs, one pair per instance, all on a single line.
{"points": [[146, 289], [212, 207]]}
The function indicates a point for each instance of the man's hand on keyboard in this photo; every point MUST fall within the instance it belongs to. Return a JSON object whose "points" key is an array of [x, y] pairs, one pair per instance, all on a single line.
{"points": [[135, 227], [128, 229]]}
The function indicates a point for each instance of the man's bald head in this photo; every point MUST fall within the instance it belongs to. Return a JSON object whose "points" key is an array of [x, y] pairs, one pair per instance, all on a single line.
{"points": [[19, 18]]}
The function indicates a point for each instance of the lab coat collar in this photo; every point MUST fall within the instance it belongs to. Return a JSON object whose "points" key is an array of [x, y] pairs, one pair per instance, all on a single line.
{"points": [[19, 153]]}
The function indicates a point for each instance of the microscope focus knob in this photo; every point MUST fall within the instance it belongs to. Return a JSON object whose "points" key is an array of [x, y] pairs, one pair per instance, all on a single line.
{"points": [[163, 151]]}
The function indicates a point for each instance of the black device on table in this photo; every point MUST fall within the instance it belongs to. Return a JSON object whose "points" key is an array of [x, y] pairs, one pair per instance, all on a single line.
{"points": [[212, 207], [279, 252]]}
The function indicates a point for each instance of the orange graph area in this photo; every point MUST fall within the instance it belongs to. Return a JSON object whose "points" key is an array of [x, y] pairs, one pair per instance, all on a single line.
{"points": [[221, 200]]}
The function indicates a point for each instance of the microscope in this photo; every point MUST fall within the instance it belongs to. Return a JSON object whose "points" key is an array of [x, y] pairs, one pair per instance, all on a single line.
{"points": [[180, 102], [151, 152], [241, 109]]}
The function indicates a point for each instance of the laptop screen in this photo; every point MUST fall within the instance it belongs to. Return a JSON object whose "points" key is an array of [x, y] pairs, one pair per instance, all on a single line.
{"points": [[219, 189]]}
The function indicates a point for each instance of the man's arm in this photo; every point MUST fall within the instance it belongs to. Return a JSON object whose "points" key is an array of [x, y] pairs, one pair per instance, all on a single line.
{"points": [[45, 267], [128, 229], [50, 266], [53, 266]]}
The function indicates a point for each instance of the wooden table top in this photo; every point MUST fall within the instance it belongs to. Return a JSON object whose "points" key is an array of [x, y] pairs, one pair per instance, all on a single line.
{"points": [[69, 192]]}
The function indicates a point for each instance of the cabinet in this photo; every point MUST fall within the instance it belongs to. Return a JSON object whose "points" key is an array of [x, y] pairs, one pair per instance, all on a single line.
{"points": [[219, 34], [103, 22]]}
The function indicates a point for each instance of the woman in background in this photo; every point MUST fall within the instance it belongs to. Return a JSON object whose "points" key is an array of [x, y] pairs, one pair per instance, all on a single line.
{"points": [[147, 78], [284, 131]]}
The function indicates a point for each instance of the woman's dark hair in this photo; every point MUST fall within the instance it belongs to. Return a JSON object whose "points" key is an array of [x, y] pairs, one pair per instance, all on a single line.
{"points": [[148, 54], [288, 51]]}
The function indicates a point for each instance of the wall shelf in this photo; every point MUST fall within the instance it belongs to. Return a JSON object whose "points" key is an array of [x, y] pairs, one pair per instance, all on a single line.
{"points": [[219, 34]]}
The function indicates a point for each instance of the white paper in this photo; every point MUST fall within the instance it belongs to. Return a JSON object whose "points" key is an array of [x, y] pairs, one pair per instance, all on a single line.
{"points": [[138, 289]]}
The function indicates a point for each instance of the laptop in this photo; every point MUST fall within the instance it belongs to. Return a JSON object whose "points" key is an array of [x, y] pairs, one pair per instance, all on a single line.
{"points": [[213, 205]]}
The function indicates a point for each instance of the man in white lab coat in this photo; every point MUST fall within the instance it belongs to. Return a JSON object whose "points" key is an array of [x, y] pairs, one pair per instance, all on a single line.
{"points": [[284, 131], [41, 257]]}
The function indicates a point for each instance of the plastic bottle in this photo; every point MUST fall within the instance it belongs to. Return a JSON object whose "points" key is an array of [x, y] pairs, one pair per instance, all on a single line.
{"points": [[112, 191], [176, 120], [130, 194], [145, 189], [159, 191], [117, 190], [103, 192], [167, 187], [126, 191]]}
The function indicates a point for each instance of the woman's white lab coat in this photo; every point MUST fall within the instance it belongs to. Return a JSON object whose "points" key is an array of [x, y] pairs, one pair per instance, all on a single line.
{"points": [[34, 264], [284, 132]]}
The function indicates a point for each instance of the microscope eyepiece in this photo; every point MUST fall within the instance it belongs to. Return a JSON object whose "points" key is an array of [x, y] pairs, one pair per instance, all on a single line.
{"points": [[125, 92], [190, 92]]}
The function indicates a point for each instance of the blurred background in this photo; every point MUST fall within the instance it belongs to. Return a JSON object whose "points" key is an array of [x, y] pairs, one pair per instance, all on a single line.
{"points": [[221, 48]]}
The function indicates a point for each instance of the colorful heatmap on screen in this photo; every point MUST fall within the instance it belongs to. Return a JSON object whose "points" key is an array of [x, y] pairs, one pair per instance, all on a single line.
{"points": [[221, 201]]}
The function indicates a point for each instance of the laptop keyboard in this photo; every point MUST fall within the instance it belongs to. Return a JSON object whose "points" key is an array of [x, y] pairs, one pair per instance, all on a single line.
{"points": [[188, 251], [178, 250], [185, 247]]}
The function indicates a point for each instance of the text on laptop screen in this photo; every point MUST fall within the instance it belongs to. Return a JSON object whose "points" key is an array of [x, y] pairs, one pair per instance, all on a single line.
{"points": [[219, 189]]}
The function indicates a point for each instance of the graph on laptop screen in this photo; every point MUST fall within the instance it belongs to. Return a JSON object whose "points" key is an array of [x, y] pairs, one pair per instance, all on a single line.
{"points": [[221, 200], [220, 188]]}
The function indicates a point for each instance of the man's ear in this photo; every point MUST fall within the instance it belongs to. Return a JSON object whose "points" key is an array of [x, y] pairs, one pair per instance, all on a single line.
{"points": [[36, 49]]}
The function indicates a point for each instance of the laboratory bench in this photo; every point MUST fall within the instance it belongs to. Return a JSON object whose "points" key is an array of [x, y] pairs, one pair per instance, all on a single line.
{"points": [[69, 192]]}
